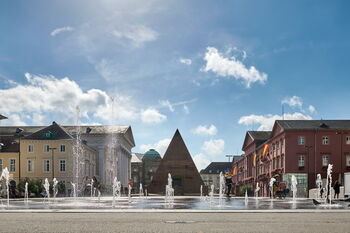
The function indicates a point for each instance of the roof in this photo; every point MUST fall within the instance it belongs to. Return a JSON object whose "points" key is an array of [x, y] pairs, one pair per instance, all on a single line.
{"points": [[314, 124], [236, 158], [217, 167], [52, 132], [2, 117], [151, 154], [71, 129], [136, 158], [259, 135]]}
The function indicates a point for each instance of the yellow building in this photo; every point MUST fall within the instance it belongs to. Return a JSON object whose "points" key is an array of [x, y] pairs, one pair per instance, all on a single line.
{"points": [[48, 153]]}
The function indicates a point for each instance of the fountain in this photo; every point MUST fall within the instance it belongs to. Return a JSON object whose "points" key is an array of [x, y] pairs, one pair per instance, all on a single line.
{"points": [[92, 189], [141, 191], [319, 186], [47, 189], [211, 194], [328, 199], [129, 193], [54, 188], [26, 193], [294, 186], [169, 191], [201, 192], [272, 181], [6, 175], [74, 194], [116, 190], [246, 197], [78, 160], [257, 189], [221, 188]]}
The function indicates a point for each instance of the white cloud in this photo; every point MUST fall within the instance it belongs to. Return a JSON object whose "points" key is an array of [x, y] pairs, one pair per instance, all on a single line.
{"points": [[266, 122], [201, 161], [47, 97], [185, 61], [152, 116], [138, 34], [166, 103], [231, 67], [204, 130], [213, 147], [13, 119], [294, 101], [60, 30], [159, 146], [311, 109], [186, 109]]}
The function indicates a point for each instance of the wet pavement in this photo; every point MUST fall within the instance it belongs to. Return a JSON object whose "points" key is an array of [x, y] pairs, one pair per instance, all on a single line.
{"points": [[158, 203]]}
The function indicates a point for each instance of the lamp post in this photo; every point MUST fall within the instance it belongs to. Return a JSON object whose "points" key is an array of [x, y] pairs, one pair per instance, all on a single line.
{"points": [[53, 161], [18, 133], [229, 156]]}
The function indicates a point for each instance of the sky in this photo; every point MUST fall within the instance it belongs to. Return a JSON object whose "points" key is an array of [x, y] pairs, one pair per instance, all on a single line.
{"points": [[212, 69]]}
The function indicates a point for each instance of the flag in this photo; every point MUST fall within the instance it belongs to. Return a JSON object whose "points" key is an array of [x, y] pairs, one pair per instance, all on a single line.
{"points": [[254, 160], [266, 146], [234, 170]]}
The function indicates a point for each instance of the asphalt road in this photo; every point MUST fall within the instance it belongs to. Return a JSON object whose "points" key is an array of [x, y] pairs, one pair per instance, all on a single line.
{"points": [[175, 222]]}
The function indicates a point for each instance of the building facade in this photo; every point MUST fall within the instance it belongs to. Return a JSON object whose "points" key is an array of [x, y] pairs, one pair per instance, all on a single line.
{"points": [[112, 144], [47, 153], [144, 166], [211, 174], [303, 148]]}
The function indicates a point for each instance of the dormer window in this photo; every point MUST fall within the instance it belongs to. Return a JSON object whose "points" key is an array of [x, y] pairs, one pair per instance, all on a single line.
{"points": [[325, 140], [301, 140], [347, 140]]}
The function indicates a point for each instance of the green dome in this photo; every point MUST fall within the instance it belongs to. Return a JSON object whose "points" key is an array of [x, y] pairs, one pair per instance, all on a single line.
{"points": [[151, 154]]}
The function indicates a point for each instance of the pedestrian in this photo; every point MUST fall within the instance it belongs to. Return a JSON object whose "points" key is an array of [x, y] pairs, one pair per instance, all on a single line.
{"points": [[336, 188], [228, 181]]}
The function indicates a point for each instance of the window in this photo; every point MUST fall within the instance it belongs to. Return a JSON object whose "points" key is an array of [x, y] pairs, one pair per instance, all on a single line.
{"points": [[63, 148], [325, 140], [0, 165], [12, 165], [348, 160], [62, 165], [325, 160], [46, 165], [301, 140], [347, 140], [30, 148], [301, 161], [30, 165], [46, 148]]}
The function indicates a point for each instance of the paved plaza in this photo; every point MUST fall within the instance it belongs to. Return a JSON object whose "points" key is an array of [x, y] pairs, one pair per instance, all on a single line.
{"points": [[334, 221]]}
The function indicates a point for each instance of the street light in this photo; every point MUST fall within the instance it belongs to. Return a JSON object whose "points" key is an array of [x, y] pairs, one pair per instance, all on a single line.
{"points": [[229, 156], [18, 133], [53, 161]]}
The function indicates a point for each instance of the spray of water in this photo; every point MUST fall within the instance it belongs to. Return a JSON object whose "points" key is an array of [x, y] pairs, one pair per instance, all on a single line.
{"points": [[6, 175], [328, 198], [47, 189], [169, 191], [272, 181], [319, 186], [294, 187], [221, 188]]}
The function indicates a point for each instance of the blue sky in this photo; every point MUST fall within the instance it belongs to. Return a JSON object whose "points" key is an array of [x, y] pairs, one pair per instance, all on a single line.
{"points": [[213, 69]]}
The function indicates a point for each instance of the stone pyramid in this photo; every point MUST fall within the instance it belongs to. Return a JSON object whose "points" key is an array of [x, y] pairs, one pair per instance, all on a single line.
{"points": [[178, 162]]}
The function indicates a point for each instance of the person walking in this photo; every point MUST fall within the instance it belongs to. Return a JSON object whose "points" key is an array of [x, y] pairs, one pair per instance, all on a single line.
{"points": [[336, 188], [228, 181]]}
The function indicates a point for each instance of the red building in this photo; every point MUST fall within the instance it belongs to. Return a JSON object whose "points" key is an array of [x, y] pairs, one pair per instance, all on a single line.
{"points": [[302, 148]]}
